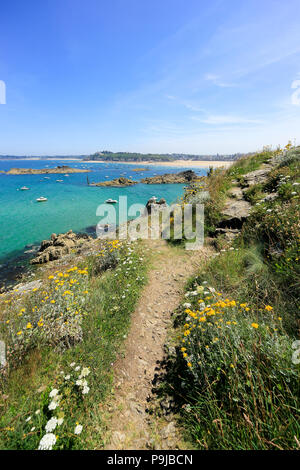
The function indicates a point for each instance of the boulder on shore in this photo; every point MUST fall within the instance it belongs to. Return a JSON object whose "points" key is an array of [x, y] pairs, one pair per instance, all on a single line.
{"points": [[155, 205], [59, 245]]}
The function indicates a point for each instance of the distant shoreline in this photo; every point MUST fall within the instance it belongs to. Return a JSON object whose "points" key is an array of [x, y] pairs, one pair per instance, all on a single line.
{"points": [[175, 163]]}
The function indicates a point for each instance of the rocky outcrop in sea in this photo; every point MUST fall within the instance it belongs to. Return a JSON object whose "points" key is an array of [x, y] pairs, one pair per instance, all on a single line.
{"points": [[41, 171], [171, 178], [117, 183]]}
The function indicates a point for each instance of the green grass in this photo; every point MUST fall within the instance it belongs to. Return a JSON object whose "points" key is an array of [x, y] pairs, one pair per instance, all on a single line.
{"points": [[111, 300]]}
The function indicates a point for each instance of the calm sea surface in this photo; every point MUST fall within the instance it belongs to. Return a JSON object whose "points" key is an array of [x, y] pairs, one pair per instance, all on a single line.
{"points": [[71, 204]]}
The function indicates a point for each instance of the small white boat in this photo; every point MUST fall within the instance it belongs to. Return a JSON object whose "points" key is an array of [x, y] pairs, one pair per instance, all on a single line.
{"points": [[24, 188], [111, 201], [59, 181], [41, 199], [66, 175]]}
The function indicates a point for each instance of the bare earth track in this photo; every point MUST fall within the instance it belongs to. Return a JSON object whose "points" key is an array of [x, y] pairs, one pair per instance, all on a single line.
{"points": [[130, 426]]}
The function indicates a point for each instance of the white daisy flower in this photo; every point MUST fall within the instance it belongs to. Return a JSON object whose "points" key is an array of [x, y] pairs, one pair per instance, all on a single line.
{"points": [[85, 372], [78, 429], [52, 405], [47, 442], [53, 393], [51, 425]]}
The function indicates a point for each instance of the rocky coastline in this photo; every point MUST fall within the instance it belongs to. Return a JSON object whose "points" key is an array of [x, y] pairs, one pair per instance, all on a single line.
{"points": [[60, 245], [171, 178], [187, 176]]}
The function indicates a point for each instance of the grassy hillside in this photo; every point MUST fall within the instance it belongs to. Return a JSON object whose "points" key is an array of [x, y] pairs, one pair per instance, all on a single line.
{"points": [[236, 376], [62, 340]]}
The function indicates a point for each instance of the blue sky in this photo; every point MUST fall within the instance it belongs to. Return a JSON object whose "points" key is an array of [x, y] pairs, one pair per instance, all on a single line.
{"points": [[186, 76]]}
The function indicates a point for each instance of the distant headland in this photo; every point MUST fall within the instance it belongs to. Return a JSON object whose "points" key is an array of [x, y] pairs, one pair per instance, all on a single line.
{"points": [[107, 156]]}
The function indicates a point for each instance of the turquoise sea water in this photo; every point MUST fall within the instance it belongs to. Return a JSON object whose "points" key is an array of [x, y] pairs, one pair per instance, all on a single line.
{"points": [[71, 204]]}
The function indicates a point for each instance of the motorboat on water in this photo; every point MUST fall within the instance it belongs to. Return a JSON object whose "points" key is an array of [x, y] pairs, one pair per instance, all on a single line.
{"points": [[111, 201], [41, 199], [24, 188], [59, 181]]}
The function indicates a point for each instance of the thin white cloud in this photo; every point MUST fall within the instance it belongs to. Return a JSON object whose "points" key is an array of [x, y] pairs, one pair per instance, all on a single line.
{"points": [[225, 119], [188, 104], [216, 80]]}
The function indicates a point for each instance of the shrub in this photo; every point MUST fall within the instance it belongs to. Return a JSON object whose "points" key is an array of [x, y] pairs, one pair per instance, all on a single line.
{"points": [[245, 386], [52, 316]]}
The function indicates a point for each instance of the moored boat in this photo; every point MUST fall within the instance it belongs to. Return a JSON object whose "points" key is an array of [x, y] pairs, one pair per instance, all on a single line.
{"points": [[41, 199], [111, 201]]}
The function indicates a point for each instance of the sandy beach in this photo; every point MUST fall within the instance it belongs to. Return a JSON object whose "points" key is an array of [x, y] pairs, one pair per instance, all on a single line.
{"points": [[175, 163]]}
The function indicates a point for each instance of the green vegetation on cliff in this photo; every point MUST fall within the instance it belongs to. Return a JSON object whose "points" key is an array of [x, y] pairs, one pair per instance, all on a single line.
{"points": [[236, 372]]}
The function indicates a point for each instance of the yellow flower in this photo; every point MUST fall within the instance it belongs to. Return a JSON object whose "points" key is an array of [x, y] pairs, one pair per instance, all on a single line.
{"points": [[28, 326], [7, 321], [52, 302], [51, 277], [189, 364], [268, 308], [254, 325], [19, 333], [279, 318]]}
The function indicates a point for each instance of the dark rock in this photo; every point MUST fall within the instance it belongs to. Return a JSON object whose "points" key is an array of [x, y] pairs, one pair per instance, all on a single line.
{"points": [[45, 244], [118, 183], [162, 201], [169, 178], [153, 205]]}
